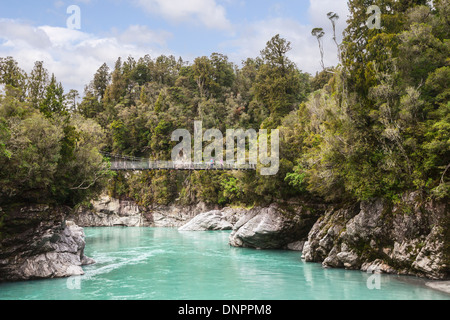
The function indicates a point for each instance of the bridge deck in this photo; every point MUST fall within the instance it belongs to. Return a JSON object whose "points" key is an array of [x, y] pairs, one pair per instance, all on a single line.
{"points": [[161, 165], [124, 163]]}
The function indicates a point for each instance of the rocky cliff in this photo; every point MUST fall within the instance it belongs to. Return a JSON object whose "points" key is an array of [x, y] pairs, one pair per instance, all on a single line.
{"points": [[410, 238], [110, 212], [37, 242]]}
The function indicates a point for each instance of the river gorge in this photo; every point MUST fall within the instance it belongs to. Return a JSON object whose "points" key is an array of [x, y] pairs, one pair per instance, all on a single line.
{"points": [[294, 251], [166, 264]]}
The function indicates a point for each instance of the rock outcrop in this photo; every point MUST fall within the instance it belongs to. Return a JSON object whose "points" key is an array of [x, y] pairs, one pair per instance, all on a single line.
{"points": [[37, 243], [274, 227], [109, 212], [375, 236], [214, 220], [176, 216]]}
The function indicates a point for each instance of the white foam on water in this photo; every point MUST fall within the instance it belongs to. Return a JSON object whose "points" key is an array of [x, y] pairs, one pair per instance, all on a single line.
{"points": [[113, 262]]}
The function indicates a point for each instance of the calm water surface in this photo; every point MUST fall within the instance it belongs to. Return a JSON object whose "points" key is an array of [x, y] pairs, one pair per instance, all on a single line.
{"points": [[165, 264]]}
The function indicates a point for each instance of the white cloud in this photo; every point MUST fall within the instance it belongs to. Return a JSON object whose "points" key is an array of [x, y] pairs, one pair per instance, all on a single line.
{"points": [[305, 49], [74, 56], [142, 35], [22, 34], [255, 37], [206, 12]]}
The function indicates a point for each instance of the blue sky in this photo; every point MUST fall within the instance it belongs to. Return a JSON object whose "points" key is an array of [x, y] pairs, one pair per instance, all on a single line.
{"points": [[37, 30]]}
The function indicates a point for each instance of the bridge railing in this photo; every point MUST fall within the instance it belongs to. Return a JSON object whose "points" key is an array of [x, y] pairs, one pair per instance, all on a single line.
{"points": [[167, 165], [124, 163]]}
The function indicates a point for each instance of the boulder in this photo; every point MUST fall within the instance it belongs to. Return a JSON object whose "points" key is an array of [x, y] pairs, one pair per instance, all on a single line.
{"points": [[176, 216], [208, 221], [214, 220], [272, 227]]}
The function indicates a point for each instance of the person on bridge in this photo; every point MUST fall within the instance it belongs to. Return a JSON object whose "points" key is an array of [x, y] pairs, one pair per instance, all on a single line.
{"points": [[212, 164]]}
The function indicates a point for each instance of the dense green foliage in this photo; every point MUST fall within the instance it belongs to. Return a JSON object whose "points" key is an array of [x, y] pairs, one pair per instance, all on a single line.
{"points": [[47, 155], [142, 102], [378, 128], [376, 125]]}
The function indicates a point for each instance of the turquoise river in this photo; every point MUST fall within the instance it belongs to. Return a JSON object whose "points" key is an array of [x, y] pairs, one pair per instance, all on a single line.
{"points": [[165, 264]]}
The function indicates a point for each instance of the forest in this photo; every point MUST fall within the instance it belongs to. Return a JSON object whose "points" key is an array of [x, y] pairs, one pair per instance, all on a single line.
{"points": [[375, 125]]}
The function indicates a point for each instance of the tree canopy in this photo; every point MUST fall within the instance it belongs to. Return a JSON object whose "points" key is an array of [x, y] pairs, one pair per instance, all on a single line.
{"points": [[376, 125]]}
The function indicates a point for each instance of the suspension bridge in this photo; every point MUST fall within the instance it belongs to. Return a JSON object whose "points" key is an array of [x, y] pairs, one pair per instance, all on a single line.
{"points": [[124, 163]]}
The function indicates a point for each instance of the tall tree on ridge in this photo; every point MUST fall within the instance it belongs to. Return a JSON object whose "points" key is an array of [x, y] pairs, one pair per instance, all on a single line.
{"points": [[37, 83], [101, 80], [53, 102], [319, 34]]}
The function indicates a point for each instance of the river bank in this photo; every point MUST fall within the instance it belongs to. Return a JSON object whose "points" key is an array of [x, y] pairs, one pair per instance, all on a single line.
{"points": [[374, 237], [408, 238]]}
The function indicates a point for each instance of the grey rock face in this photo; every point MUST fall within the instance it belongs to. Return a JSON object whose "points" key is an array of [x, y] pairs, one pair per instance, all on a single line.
{"points": [[378, 266], [39, 245], [296, 246], [407, 238], [174, 216], [109, 212], [212, 221], [443, 286], [272, 228], [430, 259]]}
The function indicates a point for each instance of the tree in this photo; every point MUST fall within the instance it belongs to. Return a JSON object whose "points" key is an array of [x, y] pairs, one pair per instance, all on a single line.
{"points": [[165, 69], [81, 172], [275, 54], [53, 102], [421, 53], [37, 83], [357, 37], [333, 18], [203, 75], [142, 72], [90, 107], [386, 133], [11, 74], [117, 89], [101, 80], [213, 75], [121, 136], [223, 73], [319, 34], [321, 79], [279, 85], [48, 159], [35, 148], [71, 100]]}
